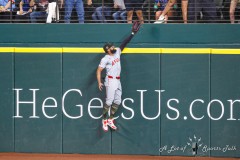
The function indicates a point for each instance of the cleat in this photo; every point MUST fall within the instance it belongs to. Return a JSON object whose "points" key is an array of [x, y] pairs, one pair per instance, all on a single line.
{"points": [[161, 19], [105, 125], [111, 124]]}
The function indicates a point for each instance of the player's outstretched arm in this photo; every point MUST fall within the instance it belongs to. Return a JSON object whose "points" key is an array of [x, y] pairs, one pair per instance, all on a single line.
{"points": [[135, 28]]}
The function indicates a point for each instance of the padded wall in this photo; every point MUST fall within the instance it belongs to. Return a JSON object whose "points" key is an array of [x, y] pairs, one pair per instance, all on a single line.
{"points": [[180, 88]]}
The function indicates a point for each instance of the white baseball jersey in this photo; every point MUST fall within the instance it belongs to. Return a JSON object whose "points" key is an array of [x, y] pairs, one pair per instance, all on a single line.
{"points": [[112, 83], [112, 64]]}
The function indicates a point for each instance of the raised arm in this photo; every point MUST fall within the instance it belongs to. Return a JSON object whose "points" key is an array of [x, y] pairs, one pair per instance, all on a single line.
{"points": [[126, 41], [135, 27]]}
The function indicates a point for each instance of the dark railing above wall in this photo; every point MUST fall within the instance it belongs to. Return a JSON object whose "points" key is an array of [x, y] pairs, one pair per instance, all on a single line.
{"points": [[206, 11]]}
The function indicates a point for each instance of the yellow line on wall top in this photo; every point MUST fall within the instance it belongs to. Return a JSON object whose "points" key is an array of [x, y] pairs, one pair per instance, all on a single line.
{"points": [[126, 50], [38, 50], [82, 50], [224, 51], [186, 50], [142, 50], [5, 49]]}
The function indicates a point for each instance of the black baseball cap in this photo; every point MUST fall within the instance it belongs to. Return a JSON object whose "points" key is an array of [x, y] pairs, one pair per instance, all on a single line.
{"points": [[107, 46]]}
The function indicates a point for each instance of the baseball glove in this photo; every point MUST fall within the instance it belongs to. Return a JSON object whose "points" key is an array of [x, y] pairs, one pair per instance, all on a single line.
{"points": [[136, 26]]}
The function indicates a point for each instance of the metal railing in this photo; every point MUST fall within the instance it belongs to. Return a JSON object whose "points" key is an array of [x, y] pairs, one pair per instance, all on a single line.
{"points": [[199, 11]]}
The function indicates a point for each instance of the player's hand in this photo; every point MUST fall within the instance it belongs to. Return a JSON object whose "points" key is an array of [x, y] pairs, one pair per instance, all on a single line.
{"points": [[100, 86], [135, 26]]}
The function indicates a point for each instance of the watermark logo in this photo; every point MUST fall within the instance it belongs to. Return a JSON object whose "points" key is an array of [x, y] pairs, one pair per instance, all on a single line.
{"points": [[194, 140], [195, 143], [196, 146], [172, 149]]}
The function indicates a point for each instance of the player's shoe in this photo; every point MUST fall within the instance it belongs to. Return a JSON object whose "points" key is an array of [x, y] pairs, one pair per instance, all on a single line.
{"points": [[105, 125], [111, 124], [161, 19]]}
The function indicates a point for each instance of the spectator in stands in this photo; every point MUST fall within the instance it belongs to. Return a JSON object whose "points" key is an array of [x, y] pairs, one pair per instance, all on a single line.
{"points": [[25, 8], [232, 8], [103, 12], [53, 11], [207, 7], [78, 4], [191, 9], [159, 6], [168, 7], [120, 12], [5, 7], [89, 10], [134, 5], [39, 11]]}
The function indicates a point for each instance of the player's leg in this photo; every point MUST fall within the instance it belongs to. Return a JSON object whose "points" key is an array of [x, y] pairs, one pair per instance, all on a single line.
{"points": [[104, 120], [116, 102], [109, 100], [106, 108], [110, 91], [115, 105], [165, 11], [110, 120], [108, 103], [111, 87]]}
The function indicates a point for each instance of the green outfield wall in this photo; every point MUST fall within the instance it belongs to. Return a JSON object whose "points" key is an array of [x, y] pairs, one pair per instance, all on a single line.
{"points": [[180, 89]]}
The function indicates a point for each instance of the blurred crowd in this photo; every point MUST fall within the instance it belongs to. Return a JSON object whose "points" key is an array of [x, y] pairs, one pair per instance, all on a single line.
{"points": [[119, 11]]}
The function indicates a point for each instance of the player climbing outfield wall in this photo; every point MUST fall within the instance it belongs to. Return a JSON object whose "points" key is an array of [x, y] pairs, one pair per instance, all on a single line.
{"points": [[180, 83]]}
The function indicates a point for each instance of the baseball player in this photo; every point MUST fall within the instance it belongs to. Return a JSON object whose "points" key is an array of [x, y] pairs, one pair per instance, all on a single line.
{"points": [[111, 62]]}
